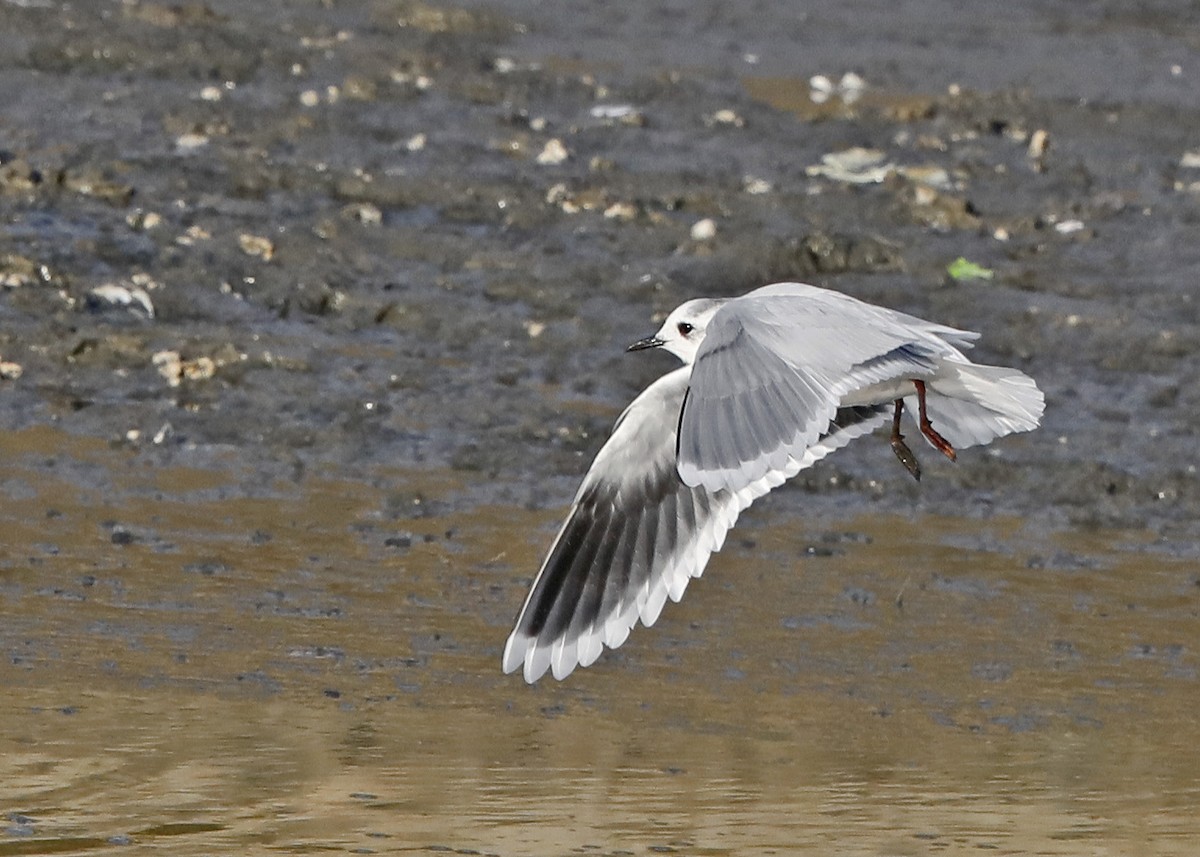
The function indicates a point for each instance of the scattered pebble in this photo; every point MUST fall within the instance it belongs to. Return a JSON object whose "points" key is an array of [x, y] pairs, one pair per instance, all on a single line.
{"points": [[310, 98], [416, 142], [1039, 143], [143, 220], [626, 114], [175, 369], [534, 329], [1066, 227], [612, 111], [421, 82], [211, 93], [621, 211], [554, 153], [10, 371], [17, 271], [726, 117], [756, 187], [704, 230], [1190, 160], [365, 213], [192, 235], [256, 245]]}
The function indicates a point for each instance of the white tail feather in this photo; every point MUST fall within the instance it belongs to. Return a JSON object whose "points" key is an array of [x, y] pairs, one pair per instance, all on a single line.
{"points": [[973, 404]]}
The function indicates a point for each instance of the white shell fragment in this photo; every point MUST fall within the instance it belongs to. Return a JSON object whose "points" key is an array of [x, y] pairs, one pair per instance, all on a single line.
{"points": [[856, 165], [113, 295], [849, 88], [553, 153], [704, 230]]}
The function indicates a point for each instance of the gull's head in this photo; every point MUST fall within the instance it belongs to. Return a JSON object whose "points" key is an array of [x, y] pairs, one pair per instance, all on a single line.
{"points": [[683, 331]]}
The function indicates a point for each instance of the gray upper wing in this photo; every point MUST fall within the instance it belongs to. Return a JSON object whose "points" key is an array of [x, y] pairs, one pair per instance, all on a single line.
{"points": [[636, 534], [774, 367]]}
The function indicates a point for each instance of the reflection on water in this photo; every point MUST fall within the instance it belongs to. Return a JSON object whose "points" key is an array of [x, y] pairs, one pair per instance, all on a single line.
{"points": [[205, 671]]}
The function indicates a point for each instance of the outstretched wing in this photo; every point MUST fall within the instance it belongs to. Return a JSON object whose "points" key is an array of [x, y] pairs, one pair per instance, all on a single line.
{"points": [[774, 367], [636, 534]]}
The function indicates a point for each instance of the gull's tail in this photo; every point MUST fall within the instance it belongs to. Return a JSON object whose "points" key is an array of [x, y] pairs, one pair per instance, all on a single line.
{"points": [[973, 404]]}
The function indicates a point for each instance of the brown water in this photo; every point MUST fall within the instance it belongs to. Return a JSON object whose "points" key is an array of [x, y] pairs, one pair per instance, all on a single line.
{"points": [[268, 674]]}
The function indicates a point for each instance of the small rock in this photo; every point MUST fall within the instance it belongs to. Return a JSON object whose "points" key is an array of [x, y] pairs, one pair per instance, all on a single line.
{"points": [[190, 142], [820, 88], [10, 371], [726, 117], [416, 142], [364, 212], [143, 221], [704, 230], [553, 153], [192, 235], [612, 111], [169, 365], [1039, 143], [621, 211], [756, 187], [256, 245], [17, 271]]}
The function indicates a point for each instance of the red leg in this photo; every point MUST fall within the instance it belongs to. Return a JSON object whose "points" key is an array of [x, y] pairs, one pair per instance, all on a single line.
{"points": [[939, 442]]}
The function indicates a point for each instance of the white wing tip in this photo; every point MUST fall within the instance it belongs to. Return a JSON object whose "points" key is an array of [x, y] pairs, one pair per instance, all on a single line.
{"points": [[514, 654]]}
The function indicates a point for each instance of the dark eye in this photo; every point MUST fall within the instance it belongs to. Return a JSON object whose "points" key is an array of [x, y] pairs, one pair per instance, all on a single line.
{"points": [[684, 328]]}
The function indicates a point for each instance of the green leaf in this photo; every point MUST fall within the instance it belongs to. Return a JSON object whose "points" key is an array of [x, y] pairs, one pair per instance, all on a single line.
{"points": [[964, 269]]}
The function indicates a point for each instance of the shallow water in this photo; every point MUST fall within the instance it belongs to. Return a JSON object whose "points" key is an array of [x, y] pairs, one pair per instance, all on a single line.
{"points": [[267, 673]]}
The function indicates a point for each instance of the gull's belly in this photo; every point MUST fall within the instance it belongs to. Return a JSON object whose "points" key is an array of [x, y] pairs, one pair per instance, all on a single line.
{"points": [[878, 394]]}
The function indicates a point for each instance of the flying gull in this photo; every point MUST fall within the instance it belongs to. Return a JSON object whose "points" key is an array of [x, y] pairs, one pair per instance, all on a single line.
{"points": [[772, 382]]}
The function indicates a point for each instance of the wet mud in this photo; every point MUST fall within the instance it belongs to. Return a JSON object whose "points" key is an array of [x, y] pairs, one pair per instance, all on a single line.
{"points": [[312, 315]]}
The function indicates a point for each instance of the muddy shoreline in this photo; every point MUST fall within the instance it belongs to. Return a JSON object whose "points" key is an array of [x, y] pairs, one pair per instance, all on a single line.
{"points": [[354, 255]]}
